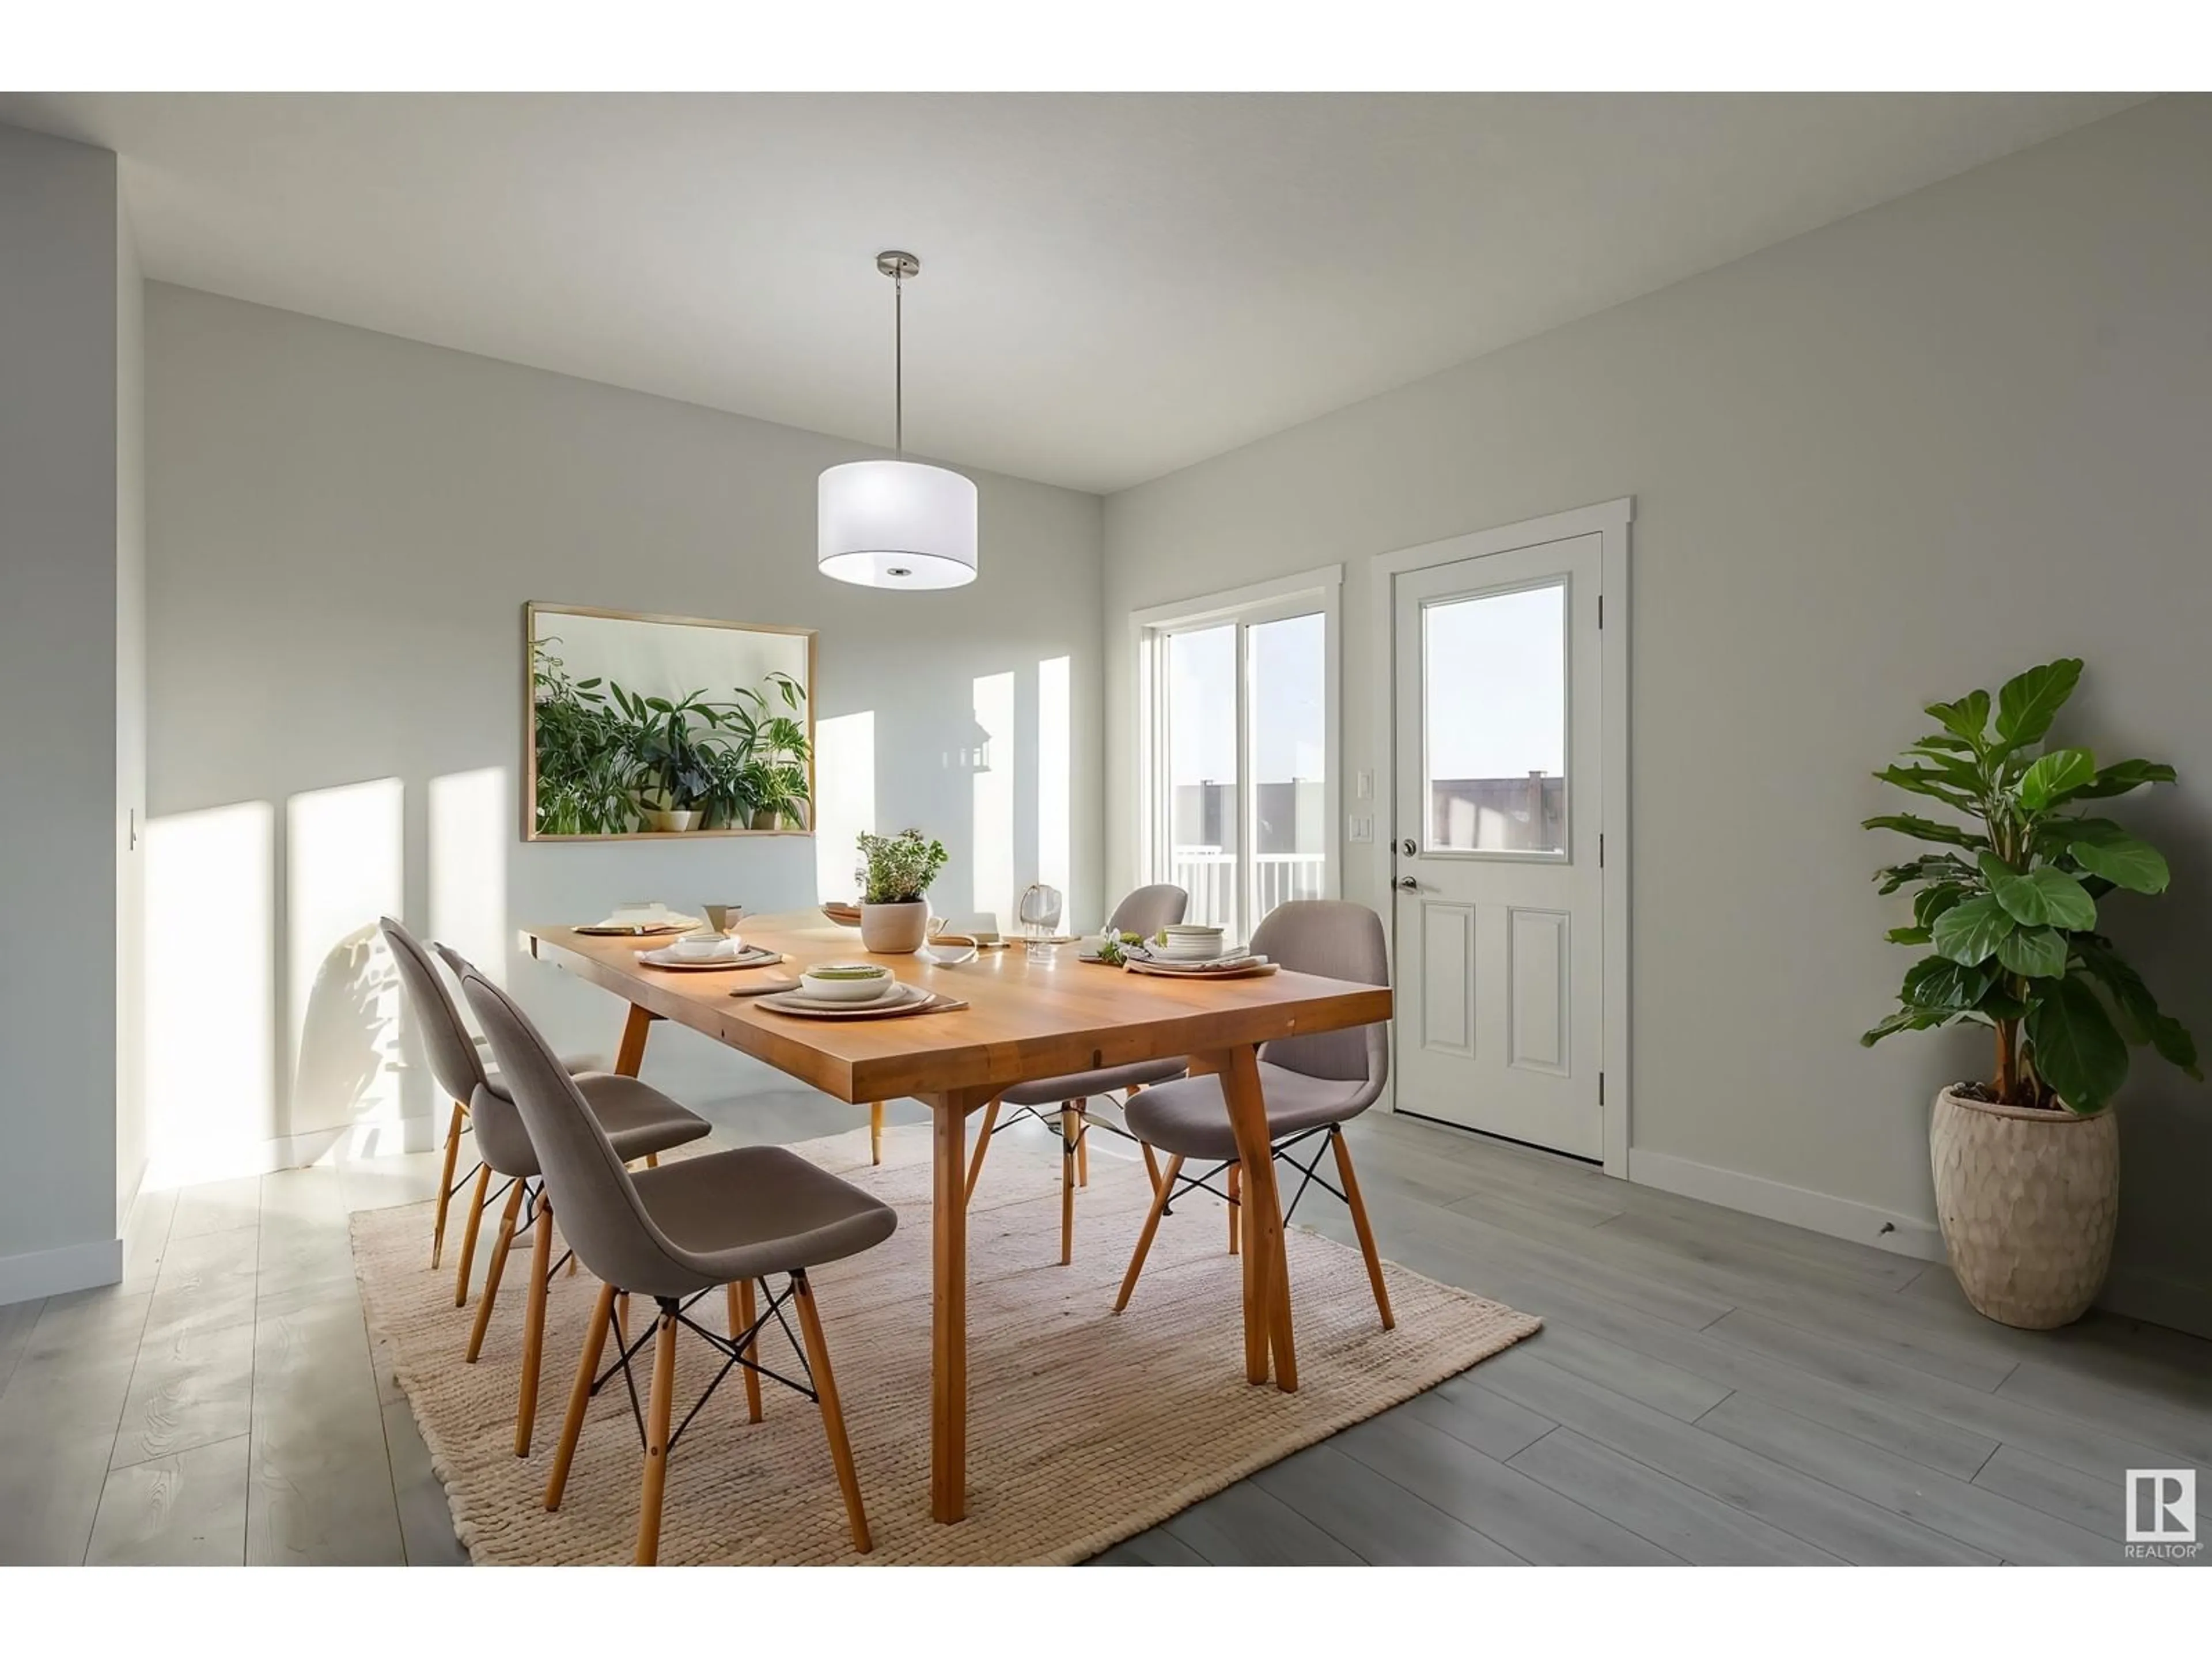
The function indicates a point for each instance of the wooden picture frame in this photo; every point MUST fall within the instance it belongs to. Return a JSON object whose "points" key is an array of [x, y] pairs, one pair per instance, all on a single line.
{"points": [[534, 612]]}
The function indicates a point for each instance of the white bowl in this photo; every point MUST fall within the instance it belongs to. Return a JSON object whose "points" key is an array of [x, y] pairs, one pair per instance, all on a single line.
{"points": [[700, 948], [947, 956], [877, 982]]}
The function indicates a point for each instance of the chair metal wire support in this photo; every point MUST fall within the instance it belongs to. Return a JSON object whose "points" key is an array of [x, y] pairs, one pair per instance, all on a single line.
{"points": [[732, 1348], [1309, 1174], [534, 1198], [475, 1169]]}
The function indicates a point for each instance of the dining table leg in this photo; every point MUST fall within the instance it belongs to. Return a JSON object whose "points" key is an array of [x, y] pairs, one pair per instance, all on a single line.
{"points": [[948, 1315], [631, 1054], [1266, 1270]]}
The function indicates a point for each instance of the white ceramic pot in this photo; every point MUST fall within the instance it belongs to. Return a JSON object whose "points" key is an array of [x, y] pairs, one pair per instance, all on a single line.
{"points": [[668, 824], [894, 930], [2027, 1201]]}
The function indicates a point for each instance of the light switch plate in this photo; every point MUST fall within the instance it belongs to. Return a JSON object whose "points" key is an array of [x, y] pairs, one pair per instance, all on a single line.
{"points": [[1363, 785], [1363, 829]]}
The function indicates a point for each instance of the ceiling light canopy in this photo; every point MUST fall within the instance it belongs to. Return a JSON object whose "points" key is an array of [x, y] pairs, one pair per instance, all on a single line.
{"points": [[896, 523]]}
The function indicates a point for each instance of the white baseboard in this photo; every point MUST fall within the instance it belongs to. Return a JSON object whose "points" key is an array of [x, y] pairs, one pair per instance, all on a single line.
{"points": [[339, 1145], [1800, 1206], [2140, 1293], [2134, 1292], [56, 1273]]}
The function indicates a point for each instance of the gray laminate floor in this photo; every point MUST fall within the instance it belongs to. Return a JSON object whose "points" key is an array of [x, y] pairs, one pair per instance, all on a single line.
{"points": [[1709, 1387]]}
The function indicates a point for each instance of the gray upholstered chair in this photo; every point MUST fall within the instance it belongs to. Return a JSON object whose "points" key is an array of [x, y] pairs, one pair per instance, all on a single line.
{"points": [[730, 1221], [1062, 1103], [643, 1123], [1313, 1084]]}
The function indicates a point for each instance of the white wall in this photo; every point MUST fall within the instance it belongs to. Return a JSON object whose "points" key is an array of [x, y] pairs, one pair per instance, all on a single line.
{"points": [[60, 557], [344, 528], [1902, 456]]}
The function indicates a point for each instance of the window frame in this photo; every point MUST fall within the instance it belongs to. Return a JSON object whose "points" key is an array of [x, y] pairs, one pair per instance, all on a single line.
{"points": [[1318, 591]]}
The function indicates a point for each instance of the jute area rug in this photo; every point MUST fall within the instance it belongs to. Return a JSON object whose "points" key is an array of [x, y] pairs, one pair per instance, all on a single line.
{"points": [[1084, 1427]]}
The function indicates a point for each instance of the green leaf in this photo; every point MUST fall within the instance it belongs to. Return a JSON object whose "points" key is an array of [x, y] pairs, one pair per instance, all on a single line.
{"points": [[1939, 744], [1930, 866], [2075, 1049], [2045, 897], [2035, 952], [1934, 982], [2056, 835], [1909, 1019], [2028, 702], [2121, 776], [1969, 931], [2140, 1018], [1926, 780], [2055, 775], [1924, 829], [1930, 902], [2135, 865], [1908, 936], [1968, 718]]}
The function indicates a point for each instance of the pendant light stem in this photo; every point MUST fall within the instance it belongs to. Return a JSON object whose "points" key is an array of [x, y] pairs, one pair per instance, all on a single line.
{"points": [[898, 366]]}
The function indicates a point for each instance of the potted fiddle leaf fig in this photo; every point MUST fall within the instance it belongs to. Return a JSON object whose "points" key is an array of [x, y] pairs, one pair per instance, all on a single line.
{"points": [[893, 908], [2008, 908]]}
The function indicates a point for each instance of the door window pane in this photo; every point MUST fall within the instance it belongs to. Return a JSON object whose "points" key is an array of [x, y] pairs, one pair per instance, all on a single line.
{"points": [[1288, 664], [1494, 722], [1203, 836]]}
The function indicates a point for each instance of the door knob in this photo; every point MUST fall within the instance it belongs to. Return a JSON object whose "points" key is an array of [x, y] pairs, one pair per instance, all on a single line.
{"points": [[1408, 848], [1406, 884]]}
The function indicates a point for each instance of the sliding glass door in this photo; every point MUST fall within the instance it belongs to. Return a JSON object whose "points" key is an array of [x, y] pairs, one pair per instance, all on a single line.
{"points": [[1241, 800]]}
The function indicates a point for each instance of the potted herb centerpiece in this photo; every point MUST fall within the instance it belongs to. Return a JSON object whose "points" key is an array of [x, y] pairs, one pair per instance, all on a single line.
{"points": [[894, 910], [2026, 1165]]}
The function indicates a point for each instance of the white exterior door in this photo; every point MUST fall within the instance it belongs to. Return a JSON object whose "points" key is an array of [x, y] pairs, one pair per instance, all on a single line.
{"points": [[1499, 904]]}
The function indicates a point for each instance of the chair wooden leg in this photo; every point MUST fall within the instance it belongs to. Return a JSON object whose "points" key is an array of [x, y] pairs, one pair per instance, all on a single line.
{"points": [[1151, 1164], [659, 1403], [534, 1327], [1236, 1203], [446, 1180], [1082, 1149], [580, 1397], [1070, 1125], [476, 1200], [1152, 1226], [833, 1413], [653, 1160], [1357, 1206], [982, 1145], [494, 1268], [741, 1320], [875, 1132], [621, 1319]]}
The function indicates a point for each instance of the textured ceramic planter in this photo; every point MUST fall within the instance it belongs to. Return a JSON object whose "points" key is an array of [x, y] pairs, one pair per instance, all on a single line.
{"points": [[894, 930], [2027, 1201], [668, 824]]}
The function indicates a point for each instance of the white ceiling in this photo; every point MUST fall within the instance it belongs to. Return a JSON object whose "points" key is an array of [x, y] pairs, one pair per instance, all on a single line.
{"points": [[1113, 286]]}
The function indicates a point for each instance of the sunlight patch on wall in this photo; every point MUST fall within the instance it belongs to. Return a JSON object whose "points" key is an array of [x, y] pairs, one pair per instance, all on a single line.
{"points": [[210, 989], [1056, 738], [845, 799], [993, 890], [471, 823], [343, 869]]}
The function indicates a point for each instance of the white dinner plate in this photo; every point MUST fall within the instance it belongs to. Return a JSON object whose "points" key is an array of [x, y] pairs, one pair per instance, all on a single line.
{"points": [[906, 1000]]}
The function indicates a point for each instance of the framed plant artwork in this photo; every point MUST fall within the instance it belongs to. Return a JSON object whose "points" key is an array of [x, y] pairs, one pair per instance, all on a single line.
{"points": [[646, 725]]}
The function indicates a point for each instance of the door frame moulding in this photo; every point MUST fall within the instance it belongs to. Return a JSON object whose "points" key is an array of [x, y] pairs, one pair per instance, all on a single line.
{"points": [[1610, 520]]}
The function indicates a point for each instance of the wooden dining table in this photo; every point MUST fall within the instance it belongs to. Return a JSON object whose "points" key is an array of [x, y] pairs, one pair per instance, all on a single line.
{"points": [[1023, 1020]]}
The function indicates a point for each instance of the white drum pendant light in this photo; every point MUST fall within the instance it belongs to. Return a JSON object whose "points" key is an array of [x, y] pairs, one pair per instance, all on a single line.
{"points": [[896, 523]]}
